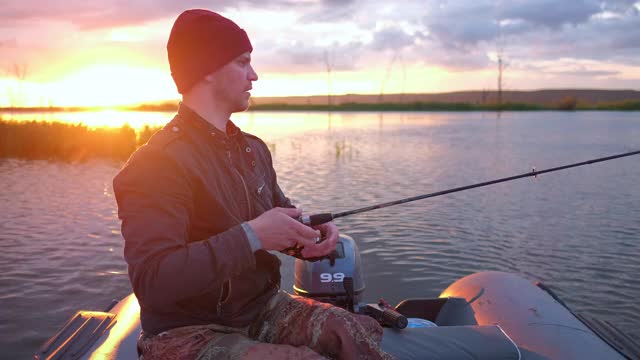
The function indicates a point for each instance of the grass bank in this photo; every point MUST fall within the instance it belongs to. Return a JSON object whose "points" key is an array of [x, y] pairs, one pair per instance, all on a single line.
{"points": [[614, 106], [67, 142]]}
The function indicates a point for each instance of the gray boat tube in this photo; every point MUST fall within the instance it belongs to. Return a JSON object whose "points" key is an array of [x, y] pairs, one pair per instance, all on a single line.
{"points": [[542, 327]]}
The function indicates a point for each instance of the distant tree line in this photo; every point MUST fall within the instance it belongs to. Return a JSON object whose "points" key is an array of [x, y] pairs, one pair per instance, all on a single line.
{"points": [[485, 104], [566, 104], [572, 103]]}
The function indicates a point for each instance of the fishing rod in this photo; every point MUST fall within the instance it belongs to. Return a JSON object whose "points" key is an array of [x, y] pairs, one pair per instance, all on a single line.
{"points": [[318, 219]]}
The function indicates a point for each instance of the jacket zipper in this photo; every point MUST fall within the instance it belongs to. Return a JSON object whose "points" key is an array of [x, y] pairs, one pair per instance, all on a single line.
{"points": [[246, 193], [244, 186]]}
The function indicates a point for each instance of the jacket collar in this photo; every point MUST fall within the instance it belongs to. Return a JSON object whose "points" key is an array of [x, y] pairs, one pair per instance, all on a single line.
{"points": [[200, 126], [190, 117]]}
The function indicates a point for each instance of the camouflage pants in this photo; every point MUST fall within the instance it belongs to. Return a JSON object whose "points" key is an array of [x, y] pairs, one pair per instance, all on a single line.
{"points": [[289, 327]]}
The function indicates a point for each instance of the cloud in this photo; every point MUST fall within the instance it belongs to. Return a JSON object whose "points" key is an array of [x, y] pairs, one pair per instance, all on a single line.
{"points": [[97, 14], [583, 72], [627, 41], [612, 39], [549, 13], [293, 35], [301, 57], [92, 14], [329, 11], [393, 38], [112, 13], [458, 35], [462, 34], [621, 6], [9, 43], [454, 59], [457, 25], [465, 25], [619, 34]]}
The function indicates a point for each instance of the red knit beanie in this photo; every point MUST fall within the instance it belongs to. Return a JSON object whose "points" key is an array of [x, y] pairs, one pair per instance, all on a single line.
{"points": [[200, 43]]}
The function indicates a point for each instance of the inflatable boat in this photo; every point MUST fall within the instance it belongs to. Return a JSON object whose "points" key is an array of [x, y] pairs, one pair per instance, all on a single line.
{"points": [[486, 315]]}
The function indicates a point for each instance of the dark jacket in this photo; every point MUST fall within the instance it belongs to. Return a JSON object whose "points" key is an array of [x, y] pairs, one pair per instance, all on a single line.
{"points": [[182, 198]]}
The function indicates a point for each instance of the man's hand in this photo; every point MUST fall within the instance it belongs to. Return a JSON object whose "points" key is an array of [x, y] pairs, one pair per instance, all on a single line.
{"points": [[329, 233], [279, 229]]}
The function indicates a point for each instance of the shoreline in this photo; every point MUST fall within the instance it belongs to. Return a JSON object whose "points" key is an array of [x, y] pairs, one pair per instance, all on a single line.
{"points": [[566, 105]]}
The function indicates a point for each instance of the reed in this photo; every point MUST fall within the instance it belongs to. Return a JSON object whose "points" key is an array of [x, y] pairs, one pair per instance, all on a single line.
{"points": [[67, 142]]}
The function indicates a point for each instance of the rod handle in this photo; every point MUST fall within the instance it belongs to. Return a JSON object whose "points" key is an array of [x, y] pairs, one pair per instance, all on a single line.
{"points": [[316, 219], [393, 319]]}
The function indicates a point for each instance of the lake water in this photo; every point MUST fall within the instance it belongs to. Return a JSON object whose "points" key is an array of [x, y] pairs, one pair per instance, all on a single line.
{"points": [[577, 230]]}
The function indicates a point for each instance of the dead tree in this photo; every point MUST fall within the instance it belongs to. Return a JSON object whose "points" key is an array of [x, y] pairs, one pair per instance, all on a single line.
{"points": [[500, 71], [502, 65], [329, 67], [404, 78], [386, 76], [19, 72]]}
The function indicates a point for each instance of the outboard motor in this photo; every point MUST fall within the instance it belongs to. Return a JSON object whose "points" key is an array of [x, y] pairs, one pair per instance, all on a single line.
{"points": [[336, 279]]}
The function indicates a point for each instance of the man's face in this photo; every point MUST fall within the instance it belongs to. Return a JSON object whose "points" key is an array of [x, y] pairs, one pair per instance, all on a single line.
{"points": [[230, 84]]}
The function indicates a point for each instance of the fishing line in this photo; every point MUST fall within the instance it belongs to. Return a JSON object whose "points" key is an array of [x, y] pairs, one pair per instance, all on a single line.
{"points": [[318, 219]]}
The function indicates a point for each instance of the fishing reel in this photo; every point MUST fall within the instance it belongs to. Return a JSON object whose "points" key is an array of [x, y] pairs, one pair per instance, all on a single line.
{"points": [[337, 280], [311, 220]]}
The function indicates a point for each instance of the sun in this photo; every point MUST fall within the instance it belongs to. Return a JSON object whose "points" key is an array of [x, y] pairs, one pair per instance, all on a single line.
{"points": [[105, 85]]}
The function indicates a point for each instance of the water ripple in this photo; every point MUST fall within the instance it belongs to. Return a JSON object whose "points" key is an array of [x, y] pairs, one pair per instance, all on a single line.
{"points": [[61, 248]]}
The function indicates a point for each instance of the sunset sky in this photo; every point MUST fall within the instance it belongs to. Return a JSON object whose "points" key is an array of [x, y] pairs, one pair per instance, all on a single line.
{"points": [[110, 52]]}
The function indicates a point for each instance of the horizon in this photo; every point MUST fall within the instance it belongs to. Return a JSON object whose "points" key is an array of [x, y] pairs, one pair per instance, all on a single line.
{"points": [[89, 55], [324, 96]]}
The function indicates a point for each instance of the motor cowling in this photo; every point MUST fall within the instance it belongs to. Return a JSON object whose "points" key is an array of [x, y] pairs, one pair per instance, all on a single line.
{"points": [[324, 280]]}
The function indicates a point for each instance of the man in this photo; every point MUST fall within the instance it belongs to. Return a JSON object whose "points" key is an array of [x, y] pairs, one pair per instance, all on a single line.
{"points": [[201, 207]]}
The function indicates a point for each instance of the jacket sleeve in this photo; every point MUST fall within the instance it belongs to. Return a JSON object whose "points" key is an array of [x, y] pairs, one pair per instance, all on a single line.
{"points": [[155, 205]]}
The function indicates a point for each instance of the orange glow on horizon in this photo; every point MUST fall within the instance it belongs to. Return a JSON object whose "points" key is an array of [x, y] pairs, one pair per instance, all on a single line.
{"points": [[112, 85], [98, 85]]}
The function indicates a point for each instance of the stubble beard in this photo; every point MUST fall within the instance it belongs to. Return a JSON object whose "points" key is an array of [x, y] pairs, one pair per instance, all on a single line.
{"points": [[241, 103], [233, 103]]}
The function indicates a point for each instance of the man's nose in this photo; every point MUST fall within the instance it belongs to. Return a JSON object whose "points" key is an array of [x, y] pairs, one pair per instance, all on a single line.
{"points": [[253, 76]]}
